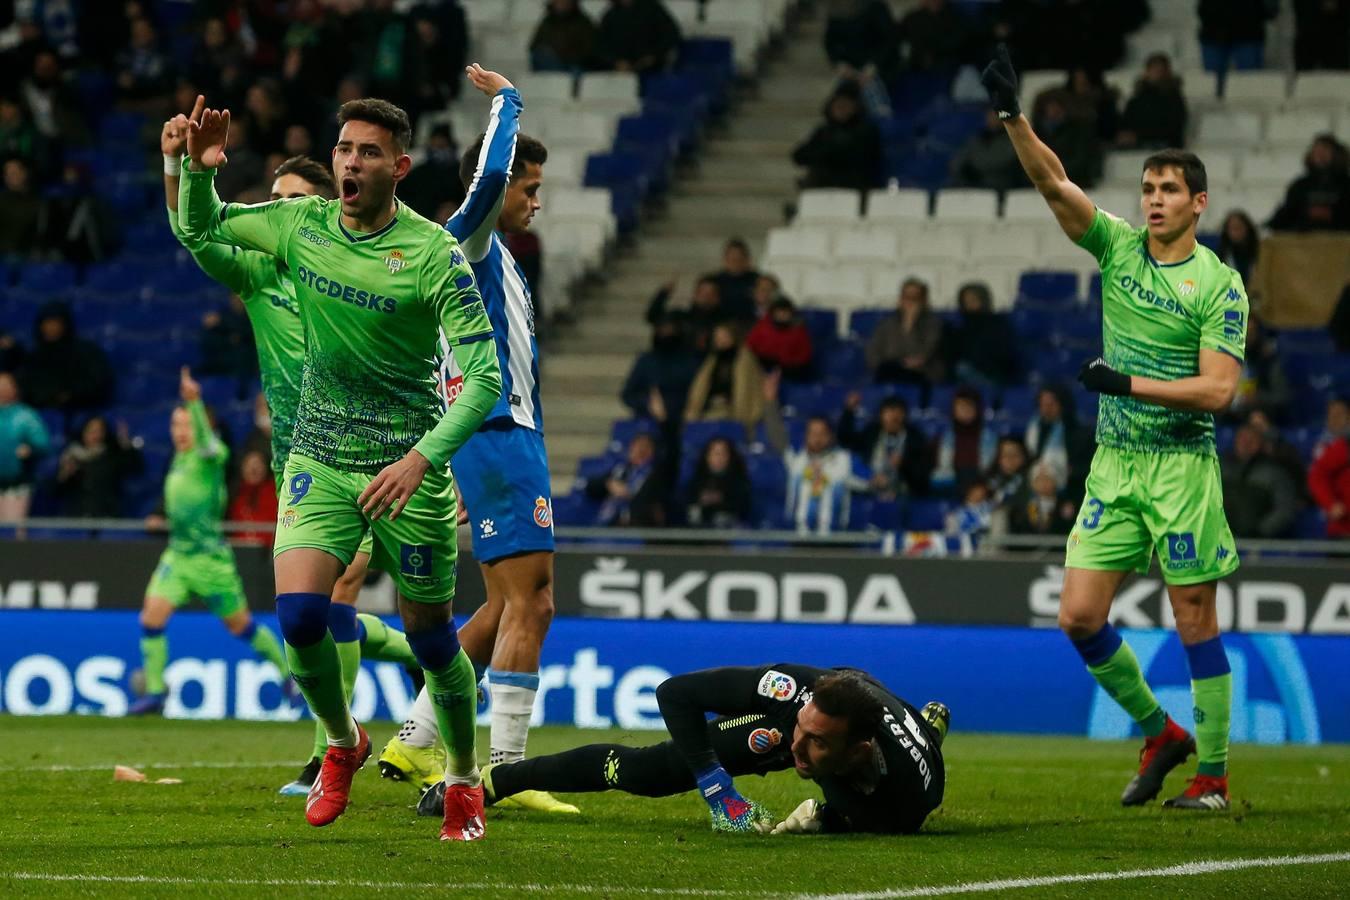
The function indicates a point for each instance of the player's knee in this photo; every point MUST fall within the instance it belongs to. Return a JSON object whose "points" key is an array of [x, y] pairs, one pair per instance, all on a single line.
{"points": [[1079, 624], [153, 619], [303, 618], [541, 608]]}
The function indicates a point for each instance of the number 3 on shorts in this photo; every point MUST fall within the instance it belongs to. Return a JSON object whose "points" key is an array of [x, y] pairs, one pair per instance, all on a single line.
{"points": [[1094, 513], [299, 487]]}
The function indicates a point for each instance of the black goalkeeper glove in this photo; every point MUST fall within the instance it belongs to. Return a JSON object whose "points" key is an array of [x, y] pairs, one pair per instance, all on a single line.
{"points": [[1096, 375], [1000, 81]]}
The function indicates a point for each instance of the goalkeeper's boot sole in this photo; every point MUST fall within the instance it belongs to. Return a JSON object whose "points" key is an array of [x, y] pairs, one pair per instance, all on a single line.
{"points": [[1205, 792], [1159, 756], [421, 766], [331, 790], [304, 781], [939, 718], [432, 801]]}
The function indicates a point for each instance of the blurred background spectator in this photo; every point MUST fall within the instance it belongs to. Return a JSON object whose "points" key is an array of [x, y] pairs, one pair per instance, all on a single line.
{"points": [[1155, 115], [780, 340], [564, 40], [434, 181], [933, 37], [636, 36], [1329, 474], [62, 370], [719, 493], [907, 346], [1054, 434], [1239, 244], [1008, 474], [1260, 497], [227, 341], [967, 446], [981, 349], [254, 499], [736, 281], [94, 469], [1263, 384], [860, 37], [987, 159], [1318, 200], [1321, 34], [897, 454], [1233, 33], [634, 493], [657, 386], [697, 320], [1040, 506], [844, 151], [728, 384], [23, 443]]}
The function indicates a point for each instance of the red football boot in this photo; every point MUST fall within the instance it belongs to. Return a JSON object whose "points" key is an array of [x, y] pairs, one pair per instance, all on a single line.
{"points": [[1160, 755], [328, 794], [1207, 792], [463, 813]]}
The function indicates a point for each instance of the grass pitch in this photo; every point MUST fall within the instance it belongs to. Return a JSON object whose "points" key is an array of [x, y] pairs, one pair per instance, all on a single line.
{"points": [[1016, 808]]}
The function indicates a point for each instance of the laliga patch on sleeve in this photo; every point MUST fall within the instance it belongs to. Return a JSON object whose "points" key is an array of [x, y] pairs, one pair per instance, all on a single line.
{"points": [[777, 685]]}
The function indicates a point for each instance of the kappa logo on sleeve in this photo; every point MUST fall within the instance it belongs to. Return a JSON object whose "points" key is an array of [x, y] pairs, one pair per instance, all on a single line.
{"points": [[777, 685]]}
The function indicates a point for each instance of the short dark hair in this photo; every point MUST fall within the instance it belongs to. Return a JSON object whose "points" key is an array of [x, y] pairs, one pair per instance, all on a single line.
{"points": [[316, 173], [528, 150], [1192, 169], [379, 112], [737, 244], [895, 401], [847, 695], [917, 282]]}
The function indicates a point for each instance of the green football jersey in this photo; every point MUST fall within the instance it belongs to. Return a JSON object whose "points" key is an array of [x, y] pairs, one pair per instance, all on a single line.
{"points": [[1156, 318], [194, 493], [265, 286], [370, 306]]}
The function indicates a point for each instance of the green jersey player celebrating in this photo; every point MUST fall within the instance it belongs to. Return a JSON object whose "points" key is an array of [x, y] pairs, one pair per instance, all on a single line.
{"points": [[197, 562], [1174, 322], [373, 281], [265, 286]]}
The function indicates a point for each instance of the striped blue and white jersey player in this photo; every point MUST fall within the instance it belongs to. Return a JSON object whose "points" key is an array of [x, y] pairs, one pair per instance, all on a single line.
{"points": [[506, 294]]}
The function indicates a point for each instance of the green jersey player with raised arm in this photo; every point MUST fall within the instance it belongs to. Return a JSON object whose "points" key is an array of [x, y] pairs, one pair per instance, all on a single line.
{"points": [[373, 280], [264, 285]]}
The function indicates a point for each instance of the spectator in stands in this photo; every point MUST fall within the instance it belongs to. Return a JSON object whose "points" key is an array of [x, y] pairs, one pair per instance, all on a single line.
{"points": [[255, 499], [1239, 244], [1329, 474], [898, 455], [907, 346], [1318, 200], [767, 290], [705, 310], [1279, 449], [974, 516], [440, 40], [63, 371], [246, 166], [564, 39], [267, 117], [143, 69], [1260, 498], [966, 448], [1233, 33], [227, 341], [657, 386], [933, 37], [728, 384], [1339, 326], [820, 481], [219, 65], [634, 492], [1263, 384], [1054, 433], [435, 180], [1321, 34], [19, 137], [23, 441], [260, 437], [719, 493], [845, 150], [22, 212], [1155, 115], [780, 340], [860, 37], [636, 36], [1040, 507], [54, 106], [92, 471], [1074, 140], [80, 226], [982, 348], [1087, 100], [987, 159], [1008, 475], [736, 281]]}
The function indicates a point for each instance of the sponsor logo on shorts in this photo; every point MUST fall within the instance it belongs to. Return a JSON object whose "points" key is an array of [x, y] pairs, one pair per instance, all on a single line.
{"points": [[395, 261], [1181, 553], [289, 518], [1186, 288], [415, 559], [762, 740], [543, 513], [777, 685], [487, 528]]}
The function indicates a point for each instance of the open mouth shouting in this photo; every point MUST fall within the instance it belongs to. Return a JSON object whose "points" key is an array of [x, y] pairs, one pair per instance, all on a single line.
{"points": [[351, 190]]}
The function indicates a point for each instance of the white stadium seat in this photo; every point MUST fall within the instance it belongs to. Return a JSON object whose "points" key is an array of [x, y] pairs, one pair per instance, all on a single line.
{"points": [[596, 9], [1032, 83], [1265, 89], [903, 205], [593, 132], [565, 166], [949, 241], [613, 92], [1298, 128], [1119, 201], [1221, 167], [585, 204], [546, 87], [1123, 168], [1011, 242], [1200, 88], [1274, 167], [1000, 278], [1025, 205], [1343, 126], [1258, 202], [866, 245], [1322, 88], [488, 12], [807, 245], [1229, 127], [965, 205], [685, 12], [835, 287], [828, 205]]}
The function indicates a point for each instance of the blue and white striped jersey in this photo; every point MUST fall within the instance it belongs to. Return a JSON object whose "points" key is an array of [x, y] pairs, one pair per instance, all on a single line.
{"points": [[506, 295]]}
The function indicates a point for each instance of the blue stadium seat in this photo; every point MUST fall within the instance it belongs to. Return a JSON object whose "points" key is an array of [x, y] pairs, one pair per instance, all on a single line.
{"points": [[655, 138], [121, 127], [862, 322], [951, 124], [1032, 324], [1094, 292], [823, 325], [55, 423], [682, 97], [925, 515], [845, 363], [149, 424], [886, 515], [940, 399], [1311, 524], [48, 277], [575, 509], [116, 276], [221, 391], [874, 394], [624, 430], [625, 174], [804, 400], [696, 435], [589, 467], [1050, 288], [1306, 342], [712, 60], [1019, 402]]}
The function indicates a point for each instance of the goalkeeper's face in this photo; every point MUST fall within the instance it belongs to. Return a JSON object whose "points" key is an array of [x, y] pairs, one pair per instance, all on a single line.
{"points": [[1170, 208], [821, 745]]}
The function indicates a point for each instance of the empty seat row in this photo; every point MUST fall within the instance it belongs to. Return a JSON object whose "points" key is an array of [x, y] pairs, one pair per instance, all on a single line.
{"points": [[1264, 89]]}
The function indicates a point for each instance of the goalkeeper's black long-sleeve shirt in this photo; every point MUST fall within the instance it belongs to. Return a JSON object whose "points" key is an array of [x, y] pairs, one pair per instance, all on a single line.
{"points": [[896, 795]]}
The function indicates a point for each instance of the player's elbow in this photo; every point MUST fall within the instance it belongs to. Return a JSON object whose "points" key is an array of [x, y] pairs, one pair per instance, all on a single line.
{"points": [[1220, 395]]}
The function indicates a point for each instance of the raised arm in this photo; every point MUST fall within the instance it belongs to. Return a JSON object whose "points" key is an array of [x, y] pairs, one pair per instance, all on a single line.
{"points": [[219, 261], [1072, 208], [205, 442], [476, 219]]}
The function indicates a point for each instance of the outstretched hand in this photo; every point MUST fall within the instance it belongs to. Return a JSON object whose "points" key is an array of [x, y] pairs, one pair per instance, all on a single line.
{"points": [[173, 137], [485, 80], [1000, 80], [208, 133], [188, 388]]}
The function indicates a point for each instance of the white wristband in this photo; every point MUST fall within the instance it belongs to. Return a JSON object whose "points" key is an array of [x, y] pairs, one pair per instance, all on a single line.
{"points": [[173, 166]]}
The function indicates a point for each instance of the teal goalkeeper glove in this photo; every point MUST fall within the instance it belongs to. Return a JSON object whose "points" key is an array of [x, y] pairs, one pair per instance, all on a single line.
{"points": [[1000, 80]]}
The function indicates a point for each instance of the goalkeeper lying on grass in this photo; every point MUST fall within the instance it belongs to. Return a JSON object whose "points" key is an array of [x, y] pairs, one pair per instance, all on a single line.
{"points": [[877, 759]]}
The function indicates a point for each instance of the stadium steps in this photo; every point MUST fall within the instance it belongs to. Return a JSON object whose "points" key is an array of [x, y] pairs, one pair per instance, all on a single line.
{"points": [[739, 186]]}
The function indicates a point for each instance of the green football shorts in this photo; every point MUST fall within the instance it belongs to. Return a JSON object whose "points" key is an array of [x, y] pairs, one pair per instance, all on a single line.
{"points": [[1140, 502], [367, 540], [419, 548], [210, 576]]}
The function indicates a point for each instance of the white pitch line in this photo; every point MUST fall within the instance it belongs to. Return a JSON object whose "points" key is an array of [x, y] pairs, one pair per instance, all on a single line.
{"points": [[1125, 774], [607, 890], [1204, 867], [158, 765]]}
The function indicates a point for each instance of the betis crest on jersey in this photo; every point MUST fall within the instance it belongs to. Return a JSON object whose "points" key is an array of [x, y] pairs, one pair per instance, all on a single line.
{"points": [[395, 261]]}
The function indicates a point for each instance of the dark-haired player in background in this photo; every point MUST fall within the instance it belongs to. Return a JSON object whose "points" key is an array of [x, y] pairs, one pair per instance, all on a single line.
{"points": [[374, 280], [877, 759], [1174, 323], [265, 286]]}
